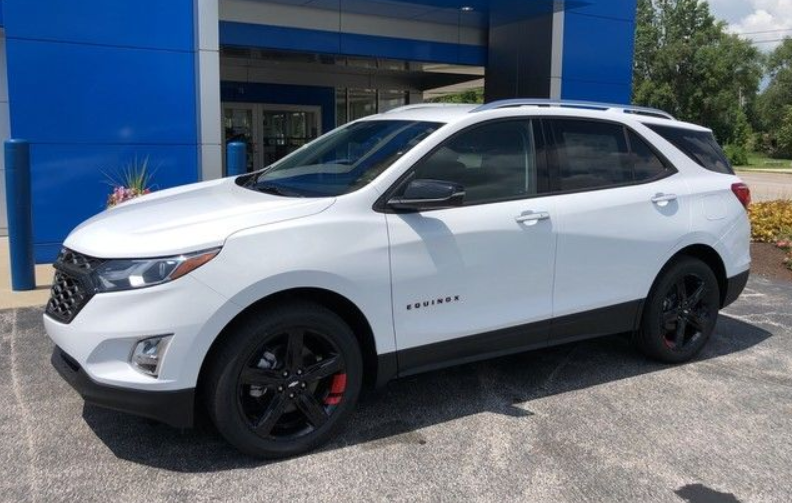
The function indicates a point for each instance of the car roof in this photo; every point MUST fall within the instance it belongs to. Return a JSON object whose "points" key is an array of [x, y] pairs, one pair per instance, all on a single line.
{"points": [[450, 113]]}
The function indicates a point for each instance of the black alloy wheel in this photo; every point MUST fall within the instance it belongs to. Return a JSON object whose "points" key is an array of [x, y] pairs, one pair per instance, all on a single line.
{"points": [[686, 315], [680, 312], [283, 380], [292, 384]]}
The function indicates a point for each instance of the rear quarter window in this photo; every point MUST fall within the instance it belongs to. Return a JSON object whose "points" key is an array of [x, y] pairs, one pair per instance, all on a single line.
{"points": [[699, 146]]}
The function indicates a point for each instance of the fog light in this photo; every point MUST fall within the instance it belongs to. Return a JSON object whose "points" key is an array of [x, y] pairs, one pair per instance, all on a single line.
{"points": [[148, 354]]}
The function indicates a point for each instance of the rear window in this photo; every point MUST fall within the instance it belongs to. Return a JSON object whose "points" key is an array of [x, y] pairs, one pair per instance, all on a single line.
{"points": [[699, 146]]}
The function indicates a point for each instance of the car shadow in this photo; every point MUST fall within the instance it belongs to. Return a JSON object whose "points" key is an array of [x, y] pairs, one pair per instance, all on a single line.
{"points": [[504, 386]]}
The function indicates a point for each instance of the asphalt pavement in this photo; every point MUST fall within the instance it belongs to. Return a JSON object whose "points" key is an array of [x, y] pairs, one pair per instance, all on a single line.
{"points": [[591, 421]]}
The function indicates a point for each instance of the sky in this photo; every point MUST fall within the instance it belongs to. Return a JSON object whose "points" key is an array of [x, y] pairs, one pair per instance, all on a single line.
{"points": [[763, 21]]}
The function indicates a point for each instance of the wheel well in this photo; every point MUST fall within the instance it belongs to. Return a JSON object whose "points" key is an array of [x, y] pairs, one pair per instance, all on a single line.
{"points": [[709, 256], [339, 304]]}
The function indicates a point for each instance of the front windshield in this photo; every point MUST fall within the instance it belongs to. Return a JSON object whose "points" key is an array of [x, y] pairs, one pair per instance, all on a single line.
{"points": [[342, 161]]}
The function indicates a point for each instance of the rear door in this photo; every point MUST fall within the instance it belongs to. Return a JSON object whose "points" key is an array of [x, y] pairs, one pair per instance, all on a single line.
{"points": [[623, 208]]}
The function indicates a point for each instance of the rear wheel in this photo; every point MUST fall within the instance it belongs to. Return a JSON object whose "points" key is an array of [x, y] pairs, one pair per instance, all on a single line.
{"points": [[680, 313], [285, 380]]}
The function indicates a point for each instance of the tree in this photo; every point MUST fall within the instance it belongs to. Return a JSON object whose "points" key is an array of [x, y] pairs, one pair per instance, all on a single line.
{"points": [[687, 64], [467, 96], [772, 105], [785, 131]]}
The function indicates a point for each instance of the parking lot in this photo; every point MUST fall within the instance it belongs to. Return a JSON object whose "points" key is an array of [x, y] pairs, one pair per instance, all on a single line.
{"points": [[591, 421]]}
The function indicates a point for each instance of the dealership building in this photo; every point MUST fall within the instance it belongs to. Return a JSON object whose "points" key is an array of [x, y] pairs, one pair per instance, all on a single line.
{"points": [[97, 86]]}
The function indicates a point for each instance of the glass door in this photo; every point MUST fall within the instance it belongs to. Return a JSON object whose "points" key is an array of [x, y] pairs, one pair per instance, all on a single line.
{"points": [[240, 125], [285, 128]]}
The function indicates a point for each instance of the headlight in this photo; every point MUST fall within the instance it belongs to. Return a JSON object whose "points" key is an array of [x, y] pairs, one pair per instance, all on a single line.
{"points": [[127, 274]]}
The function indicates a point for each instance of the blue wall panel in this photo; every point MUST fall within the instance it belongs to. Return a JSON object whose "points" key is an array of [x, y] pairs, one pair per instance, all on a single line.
{"points": [[71, 182], [280, 94], [329, 42], [596, 91], [598, 51], [94, 85], [610, 9], [74, 93], [157, 24]]}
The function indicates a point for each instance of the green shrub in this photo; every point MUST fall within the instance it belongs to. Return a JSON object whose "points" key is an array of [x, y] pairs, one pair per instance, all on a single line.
{"points": [[737, 155]]}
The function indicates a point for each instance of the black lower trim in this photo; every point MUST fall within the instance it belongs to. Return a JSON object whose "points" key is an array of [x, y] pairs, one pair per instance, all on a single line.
{"points": [[595, 323], [175, 408], [734, 287], [387, 368], [473, 348]]}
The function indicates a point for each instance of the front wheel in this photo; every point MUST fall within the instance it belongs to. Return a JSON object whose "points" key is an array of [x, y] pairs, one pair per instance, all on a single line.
{"points": [[285, 380], [680, 313]]}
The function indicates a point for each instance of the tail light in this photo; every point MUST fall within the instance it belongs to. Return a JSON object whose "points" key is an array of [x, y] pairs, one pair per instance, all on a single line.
{"points": [[743, 193]]}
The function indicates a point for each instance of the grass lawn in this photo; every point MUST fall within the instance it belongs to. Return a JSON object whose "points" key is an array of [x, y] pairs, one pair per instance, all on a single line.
{"points": [[757, 160]]}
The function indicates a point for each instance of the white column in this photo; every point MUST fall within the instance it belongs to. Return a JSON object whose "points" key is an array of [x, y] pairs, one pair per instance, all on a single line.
{"points": [[557, 50], [5, 131], [208, 89]]}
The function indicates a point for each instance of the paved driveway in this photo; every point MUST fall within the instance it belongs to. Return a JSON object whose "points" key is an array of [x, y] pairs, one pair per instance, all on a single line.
{"points": [[768, 186], [591, 421]]}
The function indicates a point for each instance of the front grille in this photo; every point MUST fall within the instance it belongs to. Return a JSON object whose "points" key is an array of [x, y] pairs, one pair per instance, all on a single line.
{"points": [[71, 287], [71, 258]]}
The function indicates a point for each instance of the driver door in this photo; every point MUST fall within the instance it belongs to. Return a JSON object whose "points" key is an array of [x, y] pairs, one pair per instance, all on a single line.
{"points": [[476, 280]]}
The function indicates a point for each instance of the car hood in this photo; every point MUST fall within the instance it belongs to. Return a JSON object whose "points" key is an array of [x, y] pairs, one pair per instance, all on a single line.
{"points": [[184, 219]]}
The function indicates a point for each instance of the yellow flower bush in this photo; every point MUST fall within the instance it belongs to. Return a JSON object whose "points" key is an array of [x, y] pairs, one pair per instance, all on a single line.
{"points": [[771, 221]]}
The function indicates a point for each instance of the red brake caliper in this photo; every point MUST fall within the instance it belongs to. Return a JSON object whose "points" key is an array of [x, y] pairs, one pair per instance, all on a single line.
{"points": [[337, 387]]}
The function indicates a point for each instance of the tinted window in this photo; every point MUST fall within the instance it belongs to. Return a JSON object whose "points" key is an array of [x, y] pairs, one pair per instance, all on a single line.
{"points": [[699, 146], [492, 162], [590, 154], [646, 164]]}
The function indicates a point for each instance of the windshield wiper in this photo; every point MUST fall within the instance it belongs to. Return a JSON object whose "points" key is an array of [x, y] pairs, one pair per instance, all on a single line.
{"points": [[276, 190]]}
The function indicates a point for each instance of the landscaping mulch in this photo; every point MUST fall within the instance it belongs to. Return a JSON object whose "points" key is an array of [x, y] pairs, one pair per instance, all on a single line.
{"points": [[766, 261]]}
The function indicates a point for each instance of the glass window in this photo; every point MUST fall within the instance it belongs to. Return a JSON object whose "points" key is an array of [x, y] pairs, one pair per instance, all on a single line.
{"points": [[388, 100], [362, 103], [342, 161], [700, 146], [341, 107], [646, 164], [590, 154], [495, 161]]}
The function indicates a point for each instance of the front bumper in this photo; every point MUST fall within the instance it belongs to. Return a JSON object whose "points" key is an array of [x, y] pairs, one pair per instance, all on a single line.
{"points": [[102, 336], [175, 408]]}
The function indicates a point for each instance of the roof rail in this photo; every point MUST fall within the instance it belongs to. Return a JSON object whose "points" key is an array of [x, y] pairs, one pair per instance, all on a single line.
{"points": [[417, 106], [589, 105]]}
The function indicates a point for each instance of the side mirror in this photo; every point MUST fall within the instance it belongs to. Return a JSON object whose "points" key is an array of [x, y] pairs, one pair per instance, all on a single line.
{"points": [[428, 194]]}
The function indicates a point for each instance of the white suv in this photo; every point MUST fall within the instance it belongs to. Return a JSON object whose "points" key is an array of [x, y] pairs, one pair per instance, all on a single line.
{"points": [[399, 243]]}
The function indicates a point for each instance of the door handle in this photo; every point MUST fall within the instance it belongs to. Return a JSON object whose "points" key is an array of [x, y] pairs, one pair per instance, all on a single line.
{"points": [[663, 199], [532, 216]]}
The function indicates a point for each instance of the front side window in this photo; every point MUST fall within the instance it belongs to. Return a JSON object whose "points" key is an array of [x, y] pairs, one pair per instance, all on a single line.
{"points": [[342, 161], [495, 161]]}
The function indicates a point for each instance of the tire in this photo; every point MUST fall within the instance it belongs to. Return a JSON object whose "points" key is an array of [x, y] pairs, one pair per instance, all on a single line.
{"points": [[680, 312], [270, 400]]}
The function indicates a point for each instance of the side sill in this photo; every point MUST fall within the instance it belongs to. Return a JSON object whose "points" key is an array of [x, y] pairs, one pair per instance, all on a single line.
{"points": [[620, 318]]}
